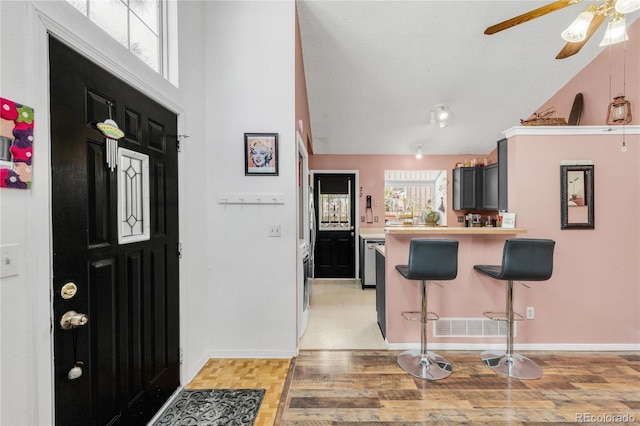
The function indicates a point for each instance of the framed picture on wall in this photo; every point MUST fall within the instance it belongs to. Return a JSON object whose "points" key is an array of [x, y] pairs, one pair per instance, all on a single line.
{"points": [[261, 154]]}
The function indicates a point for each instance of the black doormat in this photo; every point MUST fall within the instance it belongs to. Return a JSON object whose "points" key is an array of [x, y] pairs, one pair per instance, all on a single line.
{"points": [[213, 407]]}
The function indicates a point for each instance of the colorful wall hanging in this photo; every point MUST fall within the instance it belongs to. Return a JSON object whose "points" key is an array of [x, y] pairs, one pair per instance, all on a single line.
{"points": [[16, 144]]}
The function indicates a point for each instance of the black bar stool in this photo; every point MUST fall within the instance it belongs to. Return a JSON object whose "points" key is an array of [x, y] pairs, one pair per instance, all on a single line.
{"points": [[523, 259], [429, 259]]}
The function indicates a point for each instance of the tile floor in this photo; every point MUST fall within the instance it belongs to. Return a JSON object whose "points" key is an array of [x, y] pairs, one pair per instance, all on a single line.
{"points": [[342, 316]]}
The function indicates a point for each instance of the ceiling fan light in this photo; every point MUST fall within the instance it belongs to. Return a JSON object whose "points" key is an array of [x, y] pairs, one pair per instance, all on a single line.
{"points": [[616, 32], [577, 31], [627, 6]]}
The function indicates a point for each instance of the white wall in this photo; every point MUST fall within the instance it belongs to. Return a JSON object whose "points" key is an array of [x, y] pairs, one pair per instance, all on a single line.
{"points": [[238, 293], [250, 88]]}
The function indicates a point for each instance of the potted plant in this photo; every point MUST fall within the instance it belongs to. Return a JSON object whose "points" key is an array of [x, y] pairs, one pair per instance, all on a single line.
{"points": [[431, 216]]}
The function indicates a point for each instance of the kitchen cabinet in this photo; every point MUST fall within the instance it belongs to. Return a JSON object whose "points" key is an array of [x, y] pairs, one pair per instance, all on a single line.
{"points": [[502, 175], [489, 199], [467, 188], [482, 188]]}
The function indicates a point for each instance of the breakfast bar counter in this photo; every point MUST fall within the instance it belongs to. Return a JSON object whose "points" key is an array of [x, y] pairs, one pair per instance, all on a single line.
{"points": [[467, 296], [454, 230]]}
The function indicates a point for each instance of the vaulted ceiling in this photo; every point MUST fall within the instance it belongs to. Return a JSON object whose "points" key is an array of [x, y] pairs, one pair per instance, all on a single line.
{"points": [[375, 70]]}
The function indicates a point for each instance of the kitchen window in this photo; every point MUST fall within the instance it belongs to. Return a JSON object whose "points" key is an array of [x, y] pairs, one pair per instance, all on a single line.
{"points": [[411, 193]]}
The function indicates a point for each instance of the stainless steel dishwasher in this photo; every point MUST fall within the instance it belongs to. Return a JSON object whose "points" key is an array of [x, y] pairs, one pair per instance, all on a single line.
{"points": [[370, 244]]}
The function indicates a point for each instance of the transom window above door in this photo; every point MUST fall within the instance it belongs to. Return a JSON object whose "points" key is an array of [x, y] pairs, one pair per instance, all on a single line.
{"points": [[136, 24]]}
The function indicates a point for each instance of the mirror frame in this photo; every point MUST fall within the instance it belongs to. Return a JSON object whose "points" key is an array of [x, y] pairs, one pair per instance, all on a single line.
{"points": [[588, 171]]}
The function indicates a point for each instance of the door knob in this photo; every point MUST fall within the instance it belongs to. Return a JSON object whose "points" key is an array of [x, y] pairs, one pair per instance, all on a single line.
{"points": [[73, 319]]}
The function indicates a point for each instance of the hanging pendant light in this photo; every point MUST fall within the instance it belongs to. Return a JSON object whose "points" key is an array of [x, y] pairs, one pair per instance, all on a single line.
{"points": [[577, 31], [616, 31], [619, 111]]}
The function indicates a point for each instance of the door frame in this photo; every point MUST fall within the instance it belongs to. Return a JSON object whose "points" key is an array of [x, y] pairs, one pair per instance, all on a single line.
{"points": [[52, 18], [357, 196]]}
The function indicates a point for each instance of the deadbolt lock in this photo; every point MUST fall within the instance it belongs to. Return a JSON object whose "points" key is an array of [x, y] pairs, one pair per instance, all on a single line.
{"points": [[73, 319], [68, 290]]}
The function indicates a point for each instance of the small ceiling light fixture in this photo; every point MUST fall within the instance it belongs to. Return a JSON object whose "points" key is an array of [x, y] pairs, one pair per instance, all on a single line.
{"points": [[577, 31], [419, 152], [627, 6], [440, 114], [616, 31]]}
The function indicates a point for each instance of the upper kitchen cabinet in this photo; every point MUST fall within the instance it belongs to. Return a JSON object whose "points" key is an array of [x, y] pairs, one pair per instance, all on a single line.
{"points": [[467, 188], [482, 188], [502, 175]]}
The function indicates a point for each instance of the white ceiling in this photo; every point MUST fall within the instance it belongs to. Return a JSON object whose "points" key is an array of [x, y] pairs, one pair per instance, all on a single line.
{"points": [[375, 69]]}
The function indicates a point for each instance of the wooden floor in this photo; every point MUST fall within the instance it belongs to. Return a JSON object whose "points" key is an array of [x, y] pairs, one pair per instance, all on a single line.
{"points": [[360, 388], [268, 374]]}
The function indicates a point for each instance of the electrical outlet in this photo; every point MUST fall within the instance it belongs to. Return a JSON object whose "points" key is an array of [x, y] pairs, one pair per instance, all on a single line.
{"points": [[460, 219], [361, 218], [375, 218], [530, 313], [275, 230]]}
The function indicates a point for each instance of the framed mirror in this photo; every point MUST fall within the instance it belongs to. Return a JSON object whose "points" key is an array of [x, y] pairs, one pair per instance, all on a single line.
{"points": [[576, 196]]}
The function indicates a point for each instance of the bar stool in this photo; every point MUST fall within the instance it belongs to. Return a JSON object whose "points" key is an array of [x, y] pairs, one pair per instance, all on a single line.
{"points": [[429, 259], [523, 259]]}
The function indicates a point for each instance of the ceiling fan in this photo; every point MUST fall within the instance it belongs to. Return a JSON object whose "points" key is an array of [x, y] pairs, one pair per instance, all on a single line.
{"points": [[581, 30]]}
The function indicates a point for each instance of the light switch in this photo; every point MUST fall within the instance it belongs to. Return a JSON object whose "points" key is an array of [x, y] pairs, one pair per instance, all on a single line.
{"points": [[9, 260]]}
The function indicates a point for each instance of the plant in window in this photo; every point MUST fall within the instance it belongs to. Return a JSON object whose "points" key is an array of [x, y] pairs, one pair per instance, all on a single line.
{"points": [[430, 215]]}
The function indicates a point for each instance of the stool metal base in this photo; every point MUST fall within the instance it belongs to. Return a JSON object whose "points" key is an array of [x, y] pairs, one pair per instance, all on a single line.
{"points": [[512, 365], [430, 367]]}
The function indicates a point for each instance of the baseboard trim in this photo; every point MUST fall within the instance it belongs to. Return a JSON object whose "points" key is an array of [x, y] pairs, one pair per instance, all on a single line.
{"points": [[569, 347]]}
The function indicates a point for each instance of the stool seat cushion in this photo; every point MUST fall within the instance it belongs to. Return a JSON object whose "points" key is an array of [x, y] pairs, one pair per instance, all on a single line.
{"points": [[491, 270], [523, 259], [431, 259]]}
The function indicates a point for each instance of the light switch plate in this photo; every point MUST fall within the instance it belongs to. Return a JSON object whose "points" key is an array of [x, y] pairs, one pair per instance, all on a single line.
{"points": [[9, 260]]}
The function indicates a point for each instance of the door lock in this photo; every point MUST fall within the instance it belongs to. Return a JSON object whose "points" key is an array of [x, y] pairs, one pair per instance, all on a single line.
{"points": [[73, 319]]}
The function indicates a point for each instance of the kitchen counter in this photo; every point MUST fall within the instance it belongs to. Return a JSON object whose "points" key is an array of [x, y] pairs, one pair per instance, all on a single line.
{"points": [[467, 296], [372, 233], [451, 230]]}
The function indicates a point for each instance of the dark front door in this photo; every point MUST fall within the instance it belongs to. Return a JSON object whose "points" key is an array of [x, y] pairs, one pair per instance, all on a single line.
{"points": [[128, 350], [335, 248]]}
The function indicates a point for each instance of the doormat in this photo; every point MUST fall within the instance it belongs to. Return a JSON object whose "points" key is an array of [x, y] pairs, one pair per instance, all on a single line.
{"points": [[213, 407]]}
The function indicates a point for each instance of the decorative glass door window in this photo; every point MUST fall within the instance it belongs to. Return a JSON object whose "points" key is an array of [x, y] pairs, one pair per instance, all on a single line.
{"points": [[133, 197], [334, 212]]}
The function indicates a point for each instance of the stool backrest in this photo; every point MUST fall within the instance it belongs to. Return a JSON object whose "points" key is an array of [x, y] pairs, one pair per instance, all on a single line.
{"points": [[527, 259], [433, 259]]}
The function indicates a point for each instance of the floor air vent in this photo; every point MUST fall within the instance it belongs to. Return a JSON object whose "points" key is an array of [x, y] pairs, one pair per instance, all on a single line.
{"points": [[470, 327]]}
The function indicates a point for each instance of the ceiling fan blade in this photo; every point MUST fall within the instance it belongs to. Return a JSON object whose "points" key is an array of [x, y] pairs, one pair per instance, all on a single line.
{"points": [[533, 14], [571, 48]]}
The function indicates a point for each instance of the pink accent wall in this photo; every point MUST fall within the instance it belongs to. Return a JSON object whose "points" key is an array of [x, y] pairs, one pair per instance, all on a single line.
{"points": [[594, 293], [593, 296]]}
